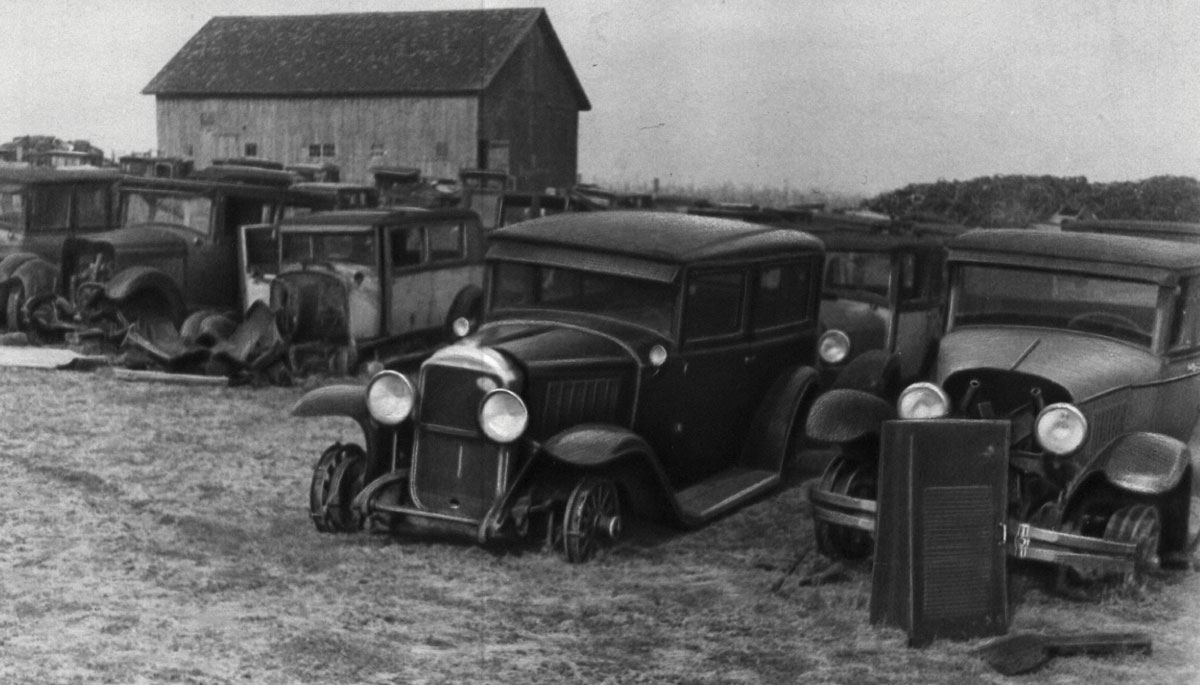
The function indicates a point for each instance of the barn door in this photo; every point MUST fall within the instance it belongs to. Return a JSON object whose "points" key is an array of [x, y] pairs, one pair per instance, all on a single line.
{"points": [[940, 540]]}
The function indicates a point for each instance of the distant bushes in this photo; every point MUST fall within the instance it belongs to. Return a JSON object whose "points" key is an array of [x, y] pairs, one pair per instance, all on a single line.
{"points": [[994, 201]]}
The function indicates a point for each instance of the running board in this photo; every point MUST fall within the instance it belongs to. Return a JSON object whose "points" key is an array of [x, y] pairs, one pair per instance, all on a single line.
{"points": [[723, 491]]}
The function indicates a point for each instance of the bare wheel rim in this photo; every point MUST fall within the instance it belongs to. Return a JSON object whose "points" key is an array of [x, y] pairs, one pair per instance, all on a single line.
{"points": [[337, 478], [1140, 525], [593, 506]]}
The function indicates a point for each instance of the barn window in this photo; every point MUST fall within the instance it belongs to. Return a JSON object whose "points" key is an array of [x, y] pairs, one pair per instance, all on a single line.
{"points": [[377, 150], [314, 150], [327, 150], [251, 149], [208, 119], [442, 150]]}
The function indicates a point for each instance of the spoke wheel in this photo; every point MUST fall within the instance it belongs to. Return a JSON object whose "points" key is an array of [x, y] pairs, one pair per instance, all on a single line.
{"points": [[1140, 525], [591, 519], [854, 479], [337, 479]]}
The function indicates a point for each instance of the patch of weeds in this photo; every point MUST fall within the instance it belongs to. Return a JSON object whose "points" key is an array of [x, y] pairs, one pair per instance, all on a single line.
{"points": [[120, 624], [322, 655], [90, 483], [224, 538]]}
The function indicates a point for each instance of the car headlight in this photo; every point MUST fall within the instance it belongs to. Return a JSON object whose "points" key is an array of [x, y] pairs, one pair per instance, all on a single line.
{"points": [[390, 398], [503, 417], [461, 327], [1060, 428], [834, 347], [923, 401]]}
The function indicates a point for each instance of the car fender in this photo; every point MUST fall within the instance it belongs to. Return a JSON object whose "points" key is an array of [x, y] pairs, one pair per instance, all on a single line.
{"points": [[595, 446], [10, 264], [772, 435], [136, 280], [335, 400], [874, 371], [1143, 463], [845, 415], [36, 275]]}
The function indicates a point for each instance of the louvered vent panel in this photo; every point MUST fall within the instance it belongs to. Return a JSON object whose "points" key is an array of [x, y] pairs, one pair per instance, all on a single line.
{"points": [[568, 402], [956, 534]]}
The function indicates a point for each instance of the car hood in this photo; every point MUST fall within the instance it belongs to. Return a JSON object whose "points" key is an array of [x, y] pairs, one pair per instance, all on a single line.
{"points": [[159, 240], [1084, 365], [543, 345], [866, 324]]}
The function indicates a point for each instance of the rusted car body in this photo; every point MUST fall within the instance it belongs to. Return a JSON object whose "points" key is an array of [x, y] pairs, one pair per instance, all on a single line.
{"points": [[176, 249], [884, 293], [39, 209], [341, 195], [651, 363], [353, 283], [1085, 348]]}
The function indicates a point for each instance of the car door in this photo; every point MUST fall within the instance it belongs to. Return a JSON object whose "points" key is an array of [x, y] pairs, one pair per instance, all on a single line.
{"points": [[1176, 402], [258, 262], [711, 406]]}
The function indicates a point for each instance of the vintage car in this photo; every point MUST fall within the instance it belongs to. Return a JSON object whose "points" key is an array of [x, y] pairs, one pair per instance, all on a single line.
{"points": [[1162, 230], [650, 363], [1084, 350], [369, 282], [39, 209], [176, 250], [155, 167], [884, 290]]}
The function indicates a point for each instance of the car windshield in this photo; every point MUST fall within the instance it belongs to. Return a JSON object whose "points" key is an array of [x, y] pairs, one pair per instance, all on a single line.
{"points": [[1014, 296], [186, 211], [856, 273], [328, 244], [526, 286]]}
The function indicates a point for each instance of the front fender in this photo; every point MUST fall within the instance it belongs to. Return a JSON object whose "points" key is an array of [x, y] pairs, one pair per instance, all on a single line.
{"points": [[1144, 463], [874, 371], [137, 280], [335, 400], [37, 276], [845, 415]]}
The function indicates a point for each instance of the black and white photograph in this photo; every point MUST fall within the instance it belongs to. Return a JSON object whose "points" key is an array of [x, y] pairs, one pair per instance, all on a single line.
{"points": [[392, 342]]}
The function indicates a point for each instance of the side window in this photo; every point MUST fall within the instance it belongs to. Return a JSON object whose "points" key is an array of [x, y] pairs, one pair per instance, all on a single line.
{"points": [[406, 247], [445, 242], [1187, 318], [52, 208], [714, 304], [782, 295]]}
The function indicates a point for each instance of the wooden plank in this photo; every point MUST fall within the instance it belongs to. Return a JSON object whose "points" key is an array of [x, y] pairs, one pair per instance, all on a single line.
{"points": [[169, 378]]}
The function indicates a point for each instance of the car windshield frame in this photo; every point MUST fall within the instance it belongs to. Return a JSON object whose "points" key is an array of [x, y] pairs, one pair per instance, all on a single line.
{"points": [[523, 287], [331, 236], [853, 283], [192, 212], [1072, 301]]}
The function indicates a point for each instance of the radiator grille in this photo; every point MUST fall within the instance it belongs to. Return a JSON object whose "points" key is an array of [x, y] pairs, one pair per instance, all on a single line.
{"points": [[456, 476], [956, 535], [450, 396]]}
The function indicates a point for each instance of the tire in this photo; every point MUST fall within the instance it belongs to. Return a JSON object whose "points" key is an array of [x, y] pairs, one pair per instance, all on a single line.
{"points": [[591, 518], [14, 310], [337, 479]]}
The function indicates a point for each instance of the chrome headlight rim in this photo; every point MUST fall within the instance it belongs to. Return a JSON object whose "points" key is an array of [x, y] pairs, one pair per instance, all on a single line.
{"points": [[518, 421], [391, 398], [923, 400], [833, 347], [1060, 445]]}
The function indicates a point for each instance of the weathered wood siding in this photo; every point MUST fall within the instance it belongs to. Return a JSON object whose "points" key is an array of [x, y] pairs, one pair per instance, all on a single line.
{"points": [[437, 134], [531, 105]]}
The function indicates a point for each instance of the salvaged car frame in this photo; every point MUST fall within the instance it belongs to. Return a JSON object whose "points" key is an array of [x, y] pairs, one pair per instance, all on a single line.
{"points": [[39, 209], [358, 282], [884, 291], [176, 250], [1088, 347], [629, 361]]}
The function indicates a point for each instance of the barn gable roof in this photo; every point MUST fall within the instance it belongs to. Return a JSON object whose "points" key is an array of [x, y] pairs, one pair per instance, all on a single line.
{"points": [[375, 53]]}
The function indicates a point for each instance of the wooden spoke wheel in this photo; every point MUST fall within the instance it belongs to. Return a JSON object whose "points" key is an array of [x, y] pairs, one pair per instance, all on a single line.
{"points": [[852, 478], [337, 479], [16, 317], [591, 519]]}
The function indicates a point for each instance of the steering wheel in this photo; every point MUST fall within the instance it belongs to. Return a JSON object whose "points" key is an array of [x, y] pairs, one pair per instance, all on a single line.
{"points": [[1104, 319]]}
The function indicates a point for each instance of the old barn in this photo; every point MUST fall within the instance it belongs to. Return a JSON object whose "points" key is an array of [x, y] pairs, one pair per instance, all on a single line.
{"points": [[440, 91]]}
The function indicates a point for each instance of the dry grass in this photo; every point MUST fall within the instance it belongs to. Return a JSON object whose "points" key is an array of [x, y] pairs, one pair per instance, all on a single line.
{"points": [[159, 534]]}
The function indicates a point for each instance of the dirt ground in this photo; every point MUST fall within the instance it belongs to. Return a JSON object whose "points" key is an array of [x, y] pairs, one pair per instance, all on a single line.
{"points": [[159, 534]]}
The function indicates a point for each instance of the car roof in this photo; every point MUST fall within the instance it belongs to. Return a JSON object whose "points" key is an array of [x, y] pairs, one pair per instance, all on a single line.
{"points": [[661, 236], [877, 234], [372, 217], [1166, 230], [199, 185], [330, 185], [640, 244], [1141, 256], [17, 174]]}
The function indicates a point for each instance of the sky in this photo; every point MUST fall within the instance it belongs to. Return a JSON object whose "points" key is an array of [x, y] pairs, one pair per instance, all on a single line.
{"points": [[843, 96]]}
